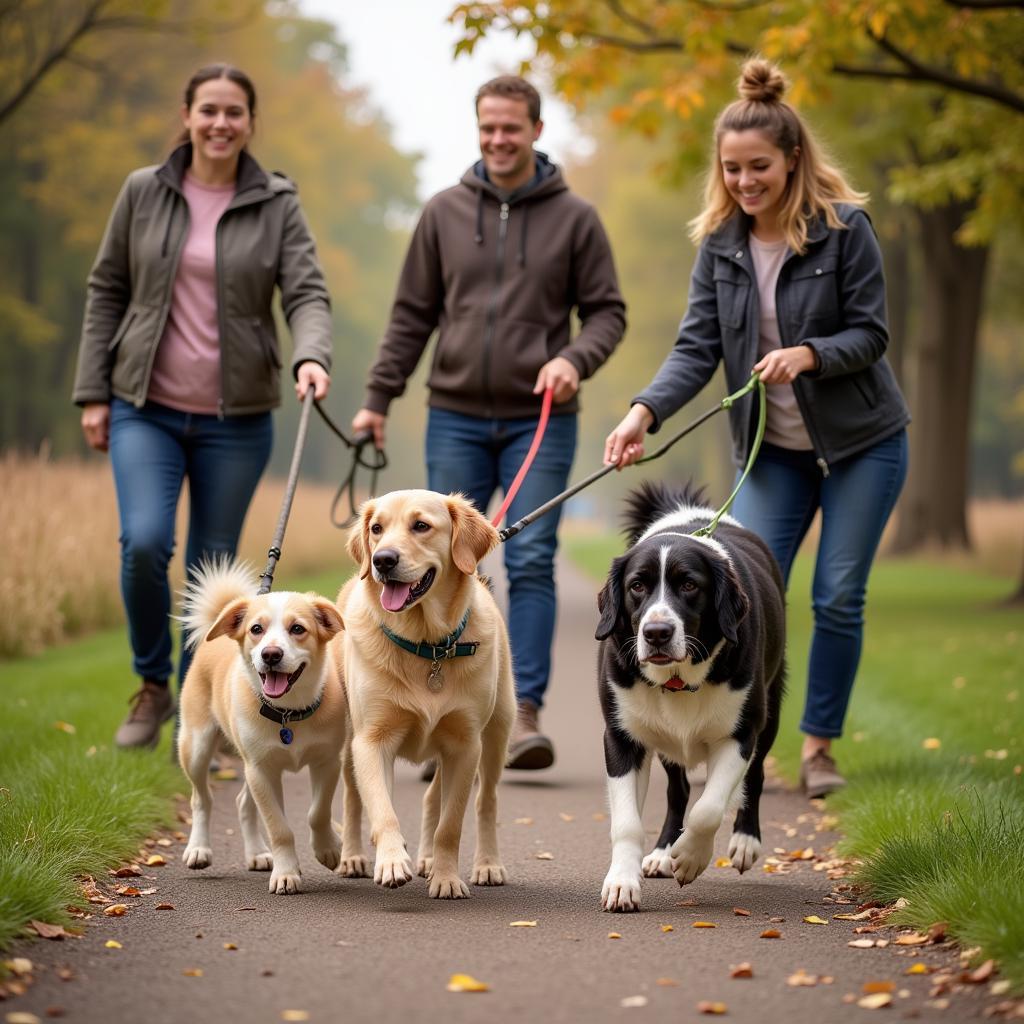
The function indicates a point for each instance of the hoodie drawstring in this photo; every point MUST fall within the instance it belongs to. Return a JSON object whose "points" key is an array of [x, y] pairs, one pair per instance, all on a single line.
{"points": [[479, 236], [167, 230], [522, 235]]}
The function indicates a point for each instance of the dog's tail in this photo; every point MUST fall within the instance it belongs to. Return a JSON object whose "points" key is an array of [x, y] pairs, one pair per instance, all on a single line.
{"points": [[652, 500], [213, 586]]}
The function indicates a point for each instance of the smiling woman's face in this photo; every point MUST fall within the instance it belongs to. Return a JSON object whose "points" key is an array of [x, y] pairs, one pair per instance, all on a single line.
{"points": [[219, 122], [756, 173]]}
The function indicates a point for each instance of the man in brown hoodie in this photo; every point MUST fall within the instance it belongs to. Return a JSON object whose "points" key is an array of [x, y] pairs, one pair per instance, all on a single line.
{"points": [[496, 265]]}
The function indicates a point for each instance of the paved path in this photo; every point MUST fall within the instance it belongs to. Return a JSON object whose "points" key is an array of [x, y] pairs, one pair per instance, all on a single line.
{"points": [[347, 951]]}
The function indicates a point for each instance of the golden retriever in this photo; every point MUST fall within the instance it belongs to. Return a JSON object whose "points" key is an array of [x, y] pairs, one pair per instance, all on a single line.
{"points": [[418, 553], [262, 662]]}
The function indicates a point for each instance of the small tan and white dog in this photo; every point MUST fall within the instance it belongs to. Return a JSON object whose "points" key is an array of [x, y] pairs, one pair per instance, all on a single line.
{"points": [[266, 675], [428, 672]]}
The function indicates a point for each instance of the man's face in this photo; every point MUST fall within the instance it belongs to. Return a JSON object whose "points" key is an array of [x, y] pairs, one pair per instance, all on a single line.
{"points": [[507, 136]]}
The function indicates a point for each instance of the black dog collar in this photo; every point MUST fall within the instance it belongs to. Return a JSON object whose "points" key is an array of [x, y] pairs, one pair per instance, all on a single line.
{"points": [[282, 716]]}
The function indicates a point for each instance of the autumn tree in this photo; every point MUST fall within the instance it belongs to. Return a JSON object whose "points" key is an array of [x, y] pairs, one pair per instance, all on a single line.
{"points": [[938, 88]]}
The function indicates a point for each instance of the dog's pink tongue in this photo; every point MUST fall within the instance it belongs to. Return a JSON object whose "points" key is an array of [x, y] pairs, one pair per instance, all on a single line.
{"points": [[275, 684], [393, 596]]}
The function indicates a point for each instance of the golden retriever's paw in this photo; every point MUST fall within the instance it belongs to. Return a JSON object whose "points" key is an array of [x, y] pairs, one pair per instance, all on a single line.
{"points": [[424, 866], [621, 891], [658, 863], [263, 860], [197, 857], [357, 866], [329, 856], [285, 882], [392, 872], [448, 887], [489, 874]]}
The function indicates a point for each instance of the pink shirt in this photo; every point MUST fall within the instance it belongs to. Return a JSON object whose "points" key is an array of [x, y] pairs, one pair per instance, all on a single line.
{"points": [[186, 371], [785, 425]]}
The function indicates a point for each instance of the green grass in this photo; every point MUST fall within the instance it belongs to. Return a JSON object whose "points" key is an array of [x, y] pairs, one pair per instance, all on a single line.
{"points": [[943, 828], [71, 804]]}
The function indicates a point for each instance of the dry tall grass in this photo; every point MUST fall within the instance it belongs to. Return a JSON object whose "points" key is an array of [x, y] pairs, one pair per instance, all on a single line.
{"points": [[61, 564], [58, 528]]}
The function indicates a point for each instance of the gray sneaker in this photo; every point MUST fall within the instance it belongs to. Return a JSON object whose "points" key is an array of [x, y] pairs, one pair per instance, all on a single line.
{"points": [[528, 748], [819, 775], [152, 705]]}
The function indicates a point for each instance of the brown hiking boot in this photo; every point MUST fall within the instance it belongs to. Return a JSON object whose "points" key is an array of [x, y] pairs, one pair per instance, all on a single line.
{"points": [[151, 705], [819, 775], [528, 747]]}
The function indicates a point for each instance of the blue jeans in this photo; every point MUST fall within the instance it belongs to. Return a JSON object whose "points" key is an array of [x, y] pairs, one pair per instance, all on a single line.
{"points": [[778, 502], [153, 450], [477, 456]]}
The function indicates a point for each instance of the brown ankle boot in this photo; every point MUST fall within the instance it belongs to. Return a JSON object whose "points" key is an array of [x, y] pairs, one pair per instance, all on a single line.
{"points": [[528, 748], [819, 775], [151, 705]]}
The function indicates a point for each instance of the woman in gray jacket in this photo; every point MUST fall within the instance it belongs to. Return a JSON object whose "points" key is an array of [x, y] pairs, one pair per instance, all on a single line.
{"points": [[788, 282], [179, 364]]}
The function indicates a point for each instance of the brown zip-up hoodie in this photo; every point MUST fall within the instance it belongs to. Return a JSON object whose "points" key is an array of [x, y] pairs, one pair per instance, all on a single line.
{"points": [[499, 275]]}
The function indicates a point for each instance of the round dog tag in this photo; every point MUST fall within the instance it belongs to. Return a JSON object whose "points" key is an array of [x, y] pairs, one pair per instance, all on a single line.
{"points": [[287, 735]]}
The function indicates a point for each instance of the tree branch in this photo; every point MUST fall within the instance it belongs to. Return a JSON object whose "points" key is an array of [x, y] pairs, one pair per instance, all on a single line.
{"points": [[631, 19], [987, 5]]}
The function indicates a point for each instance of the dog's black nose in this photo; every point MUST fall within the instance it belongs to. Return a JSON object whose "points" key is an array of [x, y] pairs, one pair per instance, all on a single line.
{"points": [[385, 560], [272, 655], [658, 633]]}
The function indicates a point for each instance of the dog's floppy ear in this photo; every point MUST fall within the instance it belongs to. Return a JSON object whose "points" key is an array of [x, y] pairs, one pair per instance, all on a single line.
{"points": [[472, 535], [327, 616], [229, 622], [359, 538], [609, 600], [731, 601]]}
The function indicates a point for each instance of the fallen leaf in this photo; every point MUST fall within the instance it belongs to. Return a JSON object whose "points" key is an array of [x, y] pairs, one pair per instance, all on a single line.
{"points": [[740, 912], [932, 743], [1000, 987], [631, 1002], [600, 817], [65, 973], [149, 891], [771, 933], [981, 974], [714, 1008], [155, 861], [544, 856], [703, 924], [667, 983], [116, 910], [20, 965], [128, 890], [47, 931], [814, 919], [863, 916], [918, 968], [800, 978], [743, 970], [668, 928], [238, 910], [614, 935], [21, 1017], [870, 987], [65, 727], [723, 862], [566, 817], [875, 1001], [164, 906], [193, 972], [113, 944], [129, 871], [55, 1011], [164, 842], [937, 932], [230, 945], [524, 821], [777, 920], [911, 939], [862, 943], [294, 1015], [466, 983], [522, 924]]}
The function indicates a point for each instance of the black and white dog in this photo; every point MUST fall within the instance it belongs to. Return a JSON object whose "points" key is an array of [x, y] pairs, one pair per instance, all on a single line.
{"points": [[691, 667]]}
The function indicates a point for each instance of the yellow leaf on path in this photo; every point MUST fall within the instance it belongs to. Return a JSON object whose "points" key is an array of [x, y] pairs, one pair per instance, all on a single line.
{"points": [[112, 944], [714, 1008], [814, 919], [932, 743], [614, 935], [20, 965], [193, 972], [875, 1001], [667, 928], [65, 727], [743, 970], [723, 862], [155, 861], [116, 910], [294, 1015], [466, 983], [544, 856], [870, 987], [21, 1017], [522, 924], [918, 968], [703, 924]]}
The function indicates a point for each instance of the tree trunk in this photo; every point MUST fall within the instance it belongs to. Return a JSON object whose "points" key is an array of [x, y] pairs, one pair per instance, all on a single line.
{"points": [[940, 379]]}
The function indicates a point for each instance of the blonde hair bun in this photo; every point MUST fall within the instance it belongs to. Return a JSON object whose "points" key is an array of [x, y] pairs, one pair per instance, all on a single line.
{"points": [[761, 81]]}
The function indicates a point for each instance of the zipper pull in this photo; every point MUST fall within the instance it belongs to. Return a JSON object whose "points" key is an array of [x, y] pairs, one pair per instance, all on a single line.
{"points": [[504, 211], [823, 466]]}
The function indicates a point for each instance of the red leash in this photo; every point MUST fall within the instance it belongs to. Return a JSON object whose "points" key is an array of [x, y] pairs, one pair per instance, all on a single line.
{"points": [[538, 436]]}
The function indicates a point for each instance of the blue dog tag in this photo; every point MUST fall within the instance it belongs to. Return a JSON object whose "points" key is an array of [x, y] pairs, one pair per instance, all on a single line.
{"points": [[287, 736]]}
